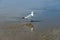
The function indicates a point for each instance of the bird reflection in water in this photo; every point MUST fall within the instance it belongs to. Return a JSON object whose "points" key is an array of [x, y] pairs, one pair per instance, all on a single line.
{"points": [[30, 25]]}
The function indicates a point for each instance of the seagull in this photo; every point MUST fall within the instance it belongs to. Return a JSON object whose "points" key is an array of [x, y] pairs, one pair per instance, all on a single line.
{"points": [[29, 16]]}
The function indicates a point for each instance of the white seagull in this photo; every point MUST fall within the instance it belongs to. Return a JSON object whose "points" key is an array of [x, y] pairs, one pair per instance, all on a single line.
{"points": [[29, 16]]}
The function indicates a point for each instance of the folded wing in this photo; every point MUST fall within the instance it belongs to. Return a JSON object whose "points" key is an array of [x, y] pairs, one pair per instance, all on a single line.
{"points": [[29, 16]]}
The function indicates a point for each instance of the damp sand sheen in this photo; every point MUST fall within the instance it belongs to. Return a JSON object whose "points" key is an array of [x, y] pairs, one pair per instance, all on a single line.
{"points": [[17, 26]]}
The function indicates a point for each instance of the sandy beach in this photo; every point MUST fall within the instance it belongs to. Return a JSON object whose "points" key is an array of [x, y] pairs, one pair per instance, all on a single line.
{"points": [[16, 31]]}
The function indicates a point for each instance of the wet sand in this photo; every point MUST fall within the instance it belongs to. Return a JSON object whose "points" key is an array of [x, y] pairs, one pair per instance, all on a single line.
{"points": [[16, 31]]}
